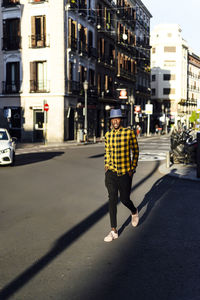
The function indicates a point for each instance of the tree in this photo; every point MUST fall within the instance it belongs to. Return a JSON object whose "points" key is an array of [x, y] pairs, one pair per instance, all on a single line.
{"points": [[193, 118]]}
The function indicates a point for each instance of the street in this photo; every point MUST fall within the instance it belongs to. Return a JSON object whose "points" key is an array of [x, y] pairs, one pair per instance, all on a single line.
{"points": [[54, 216]]}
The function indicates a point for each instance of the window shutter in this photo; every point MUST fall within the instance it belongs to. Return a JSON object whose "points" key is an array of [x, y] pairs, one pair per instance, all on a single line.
{"points": [[33, 32], [32, 76], [44, 30]]}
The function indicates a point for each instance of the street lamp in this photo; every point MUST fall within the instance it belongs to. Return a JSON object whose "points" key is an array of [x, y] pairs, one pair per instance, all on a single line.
{"points": [[85, 86], [132, 102]]}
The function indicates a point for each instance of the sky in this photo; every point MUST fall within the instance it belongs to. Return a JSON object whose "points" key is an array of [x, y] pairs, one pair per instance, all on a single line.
{"points": [[183, 12]]}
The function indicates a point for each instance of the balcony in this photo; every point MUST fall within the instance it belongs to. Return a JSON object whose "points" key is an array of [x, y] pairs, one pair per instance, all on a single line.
{"points": [[11, 87], [72, 87], [39, 86], [39, 41], [11, 43], [109, 94], [127, 74], [92, 52], [10, 3], [92, 91], [37, 1]]}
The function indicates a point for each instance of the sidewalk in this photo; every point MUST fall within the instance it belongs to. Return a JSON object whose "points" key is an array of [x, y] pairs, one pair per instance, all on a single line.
{"points": [[71, 143], [182, 171]]}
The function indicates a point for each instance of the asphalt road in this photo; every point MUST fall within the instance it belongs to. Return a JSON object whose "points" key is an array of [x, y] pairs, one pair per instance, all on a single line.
{"points": [[54, 216]]}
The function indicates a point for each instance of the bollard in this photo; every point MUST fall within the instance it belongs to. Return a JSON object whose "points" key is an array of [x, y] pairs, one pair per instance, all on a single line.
{"points": [[168, 159], [198, 154]]}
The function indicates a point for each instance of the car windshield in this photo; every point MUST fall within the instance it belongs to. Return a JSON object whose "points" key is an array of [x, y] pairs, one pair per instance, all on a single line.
{"points": [[3, 136]]}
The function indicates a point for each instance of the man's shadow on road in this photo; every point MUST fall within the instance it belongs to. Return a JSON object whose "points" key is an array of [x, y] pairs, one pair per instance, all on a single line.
{"points": [[150, 199]]}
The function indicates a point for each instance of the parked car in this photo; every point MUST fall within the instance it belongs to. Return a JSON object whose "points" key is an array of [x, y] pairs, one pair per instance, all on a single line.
{"points": [[7, 148]]}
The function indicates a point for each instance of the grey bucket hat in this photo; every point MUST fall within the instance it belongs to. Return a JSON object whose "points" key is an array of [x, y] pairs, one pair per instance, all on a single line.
{"points": [[115, 113]]}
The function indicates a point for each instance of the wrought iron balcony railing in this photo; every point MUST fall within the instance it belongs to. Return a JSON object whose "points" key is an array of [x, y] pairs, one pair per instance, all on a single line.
{"points": [[11, 87], [11, 43], [72, 87], [92, 52], [39, 41], [39, 86]]}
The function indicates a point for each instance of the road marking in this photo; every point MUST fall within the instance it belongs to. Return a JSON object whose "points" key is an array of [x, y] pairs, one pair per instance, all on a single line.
{"points": [[147, 156]]}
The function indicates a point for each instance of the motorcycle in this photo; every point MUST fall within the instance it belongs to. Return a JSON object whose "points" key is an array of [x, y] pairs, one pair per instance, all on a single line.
{"points": [[183, 146]]}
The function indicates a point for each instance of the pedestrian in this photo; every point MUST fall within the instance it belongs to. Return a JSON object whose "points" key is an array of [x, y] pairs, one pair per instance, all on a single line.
{"points": [[121, 157], [138, 129]]}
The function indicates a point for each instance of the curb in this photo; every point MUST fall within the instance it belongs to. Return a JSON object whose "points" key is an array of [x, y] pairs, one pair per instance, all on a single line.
{"points": [[180, 171]]}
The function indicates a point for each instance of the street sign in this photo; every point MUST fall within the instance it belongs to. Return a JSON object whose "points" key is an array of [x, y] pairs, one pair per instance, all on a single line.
{"points": [[137, 108], [149, 109], [123, 94], [46, 107]]}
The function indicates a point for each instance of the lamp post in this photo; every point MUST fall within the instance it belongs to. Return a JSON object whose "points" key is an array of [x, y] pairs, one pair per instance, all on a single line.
{"points": [[132, 102], [85, 86]]}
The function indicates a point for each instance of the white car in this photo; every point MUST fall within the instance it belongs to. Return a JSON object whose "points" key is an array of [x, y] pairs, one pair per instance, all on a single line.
{"points": [[7, 148]]}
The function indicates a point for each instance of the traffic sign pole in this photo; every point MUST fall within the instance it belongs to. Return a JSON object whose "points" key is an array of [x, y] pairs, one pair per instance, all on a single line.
{"points": [[46, 108]]}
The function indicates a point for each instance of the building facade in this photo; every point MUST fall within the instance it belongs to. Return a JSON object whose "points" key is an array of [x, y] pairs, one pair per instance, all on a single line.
{"points": [[143, 55], [193, 83], [169, 75], [45, 62]]}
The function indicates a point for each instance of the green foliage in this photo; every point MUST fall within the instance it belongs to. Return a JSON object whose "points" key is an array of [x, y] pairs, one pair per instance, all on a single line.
{"points": [[194, 116]]}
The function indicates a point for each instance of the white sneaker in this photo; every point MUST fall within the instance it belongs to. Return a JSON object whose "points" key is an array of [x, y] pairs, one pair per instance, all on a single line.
{"points": [[135, 219], [111, 236]]}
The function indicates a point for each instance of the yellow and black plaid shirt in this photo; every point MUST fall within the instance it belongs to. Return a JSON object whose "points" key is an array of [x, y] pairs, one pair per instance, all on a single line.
{"points": [[118, 147]]}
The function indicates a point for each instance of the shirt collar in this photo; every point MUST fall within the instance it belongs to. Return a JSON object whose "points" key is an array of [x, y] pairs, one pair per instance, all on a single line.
{"points": [[118, 130]]}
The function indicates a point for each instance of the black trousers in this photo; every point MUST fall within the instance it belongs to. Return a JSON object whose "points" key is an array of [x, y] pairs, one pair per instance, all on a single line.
{"points": [[121, 184]]}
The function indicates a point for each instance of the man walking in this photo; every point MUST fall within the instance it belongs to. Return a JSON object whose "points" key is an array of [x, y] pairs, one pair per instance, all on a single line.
{"points": [[121, 157]]}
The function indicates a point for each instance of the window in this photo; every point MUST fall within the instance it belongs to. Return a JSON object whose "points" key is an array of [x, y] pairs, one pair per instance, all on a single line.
{"points": [[91, 77], [169, 76], [153, 78], [38, 77], [12, 84], [153, 50], [169, 63], [11, 34], [169, 49], [168, 91], [38, 28], [153, 92], [72, 35], [83, 47]]}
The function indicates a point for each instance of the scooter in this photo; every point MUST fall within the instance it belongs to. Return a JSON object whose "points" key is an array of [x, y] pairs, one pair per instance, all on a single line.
{"points": [[183, 147]]}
